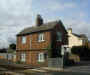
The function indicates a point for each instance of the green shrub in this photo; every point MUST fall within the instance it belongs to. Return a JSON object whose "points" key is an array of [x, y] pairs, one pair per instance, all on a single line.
{"points": [[69, 62], [82, 51]]}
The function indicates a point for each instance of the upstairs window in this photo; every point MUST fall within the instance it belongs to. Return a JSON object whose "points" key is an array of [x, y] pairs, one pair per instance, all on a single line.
{"points": [[23, 40], [59, 36], [41, 37]]}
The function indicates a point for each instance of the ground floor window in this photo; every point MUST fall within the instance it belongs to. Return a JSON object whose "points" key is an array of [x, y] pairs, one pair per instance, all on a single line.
{"points": [[23, 57], [41, 57]]}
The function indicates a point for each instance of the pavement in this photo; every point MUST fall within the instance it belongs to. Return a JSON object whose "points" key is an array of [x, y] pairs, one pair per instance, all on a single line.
{"points": [[74, 70], [81, 69], [67, 73]]}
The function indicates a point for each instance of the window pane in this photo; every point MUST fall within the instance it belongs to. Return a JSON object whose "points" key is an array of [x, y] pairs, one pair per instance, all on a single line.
{"points": [[41, 57], [23, 39], [23, 57], [41, 37], [59, 36]]}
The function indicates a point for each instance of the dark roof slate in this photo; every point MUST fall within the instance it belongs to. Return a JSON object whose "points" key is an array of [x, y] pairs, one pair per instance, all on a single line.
{"points": [[46, 26], [80, 36]]}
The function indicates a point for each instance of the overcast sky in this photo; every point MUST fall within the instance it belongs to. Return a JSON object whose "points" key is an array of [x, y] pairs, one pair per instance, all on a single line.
{"points": [[18, 14]]}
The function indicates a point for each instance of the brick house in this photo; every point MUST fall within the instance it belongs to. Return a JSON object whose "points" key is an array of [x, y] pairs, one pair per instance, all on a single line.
{"points": [[36, 44]]}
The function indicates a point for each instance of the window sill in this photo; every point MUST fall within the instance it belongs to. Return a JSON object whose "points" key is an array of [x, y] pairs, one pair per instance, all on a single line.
{"points": [[41, 41], [23, 61], [41, 61], [23, 43]]}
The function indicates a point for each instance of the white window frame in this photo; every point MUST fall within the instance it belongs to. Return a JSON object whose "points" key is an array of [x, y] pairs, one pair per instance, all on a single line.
{"points": [[23, 39], [41, 37], [41, 57], [23, 57]]}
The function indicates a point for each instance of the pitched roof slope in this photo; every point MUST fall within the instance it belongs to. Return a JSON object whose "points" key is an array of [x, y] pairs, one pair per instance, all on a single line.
{"points": [[46, 26], [80, 36]]}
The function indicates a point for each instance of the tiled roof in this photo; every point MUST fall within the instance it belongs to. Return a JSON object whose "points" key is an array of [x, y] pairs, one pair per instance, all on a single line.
{"points": [[80, 36], [46, 26]]}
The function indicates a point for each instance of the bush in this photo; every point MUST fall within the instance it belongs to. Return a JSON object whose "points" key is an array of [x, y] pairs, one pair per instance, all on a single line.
{"points": [[82, 51], [69, 62]]}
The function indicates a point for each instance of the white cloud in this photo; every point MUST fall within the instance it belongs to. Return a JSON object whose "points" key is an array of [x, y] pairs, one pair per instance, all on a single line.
{"points": [[60, 6], [82, 15], [14, 16], [70, 5], [79, 26]]}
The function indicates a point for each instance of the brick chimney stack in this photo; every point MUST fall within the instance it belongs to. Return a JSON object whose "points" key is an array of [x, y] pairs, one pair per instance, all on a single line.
{"points": [[70, 30], [39, 20]]}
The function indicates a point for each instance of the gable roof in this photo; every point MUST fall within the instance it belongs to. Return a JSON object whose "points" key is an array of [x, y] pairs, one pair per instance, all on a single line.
{"points": [[80, 36], [43, 27]]}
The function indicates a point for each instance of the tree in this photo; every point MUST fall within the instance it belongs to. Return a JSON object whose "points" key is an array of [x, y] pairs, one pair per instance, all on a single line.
{"points": [[12, 46], [3, 50]]}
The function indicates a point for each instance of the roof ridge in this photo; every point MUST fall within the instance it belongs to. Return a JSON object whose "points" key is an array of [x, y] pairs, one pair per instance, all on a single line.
{"points": [[45, 26], [79, 35]]}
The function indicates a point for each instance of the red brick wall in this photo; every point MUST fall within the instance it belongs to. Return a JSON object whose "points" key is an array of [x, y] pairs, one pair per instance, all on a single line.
{"points": [[34, 44], [36, 48], [32, 58]]}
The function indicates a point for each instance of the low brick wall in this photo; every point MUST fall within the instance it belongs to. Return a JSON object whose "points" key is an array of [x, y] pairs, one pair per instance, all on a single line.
{"points": [[74, 57]]}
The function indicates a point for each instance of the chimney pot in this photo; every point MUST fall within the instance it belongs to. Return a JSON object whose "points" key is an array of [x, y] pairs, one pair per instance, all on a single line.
{"points": [[70, 30], [39, 20]]}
